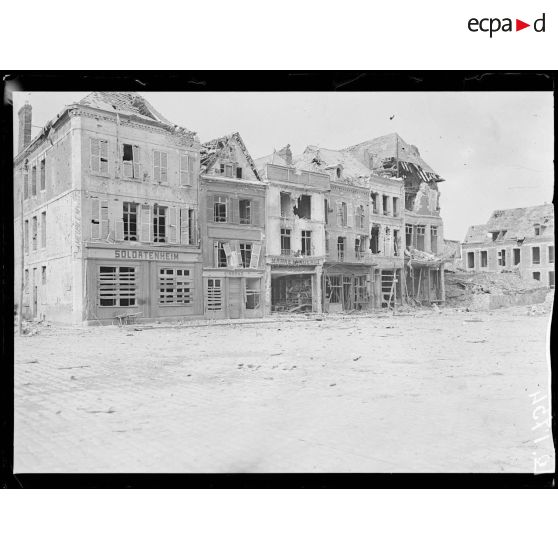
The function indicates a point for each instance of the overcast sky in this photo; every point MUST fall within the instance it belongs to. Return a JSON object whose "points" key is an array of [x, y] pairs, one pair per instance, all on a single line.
{"points": [[495, 150]]}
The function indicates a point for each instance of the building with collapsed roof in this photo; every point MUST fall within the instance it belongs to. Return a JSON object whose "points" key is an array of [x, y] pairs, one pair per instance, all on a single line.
{"points": [[232, 226], [106, 200], [519, 240]]}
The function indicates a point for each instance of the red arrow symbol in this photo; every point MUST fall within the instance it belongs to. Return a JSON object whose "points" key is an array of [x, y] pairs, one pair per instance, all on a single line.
{"points": [[519, 25]]}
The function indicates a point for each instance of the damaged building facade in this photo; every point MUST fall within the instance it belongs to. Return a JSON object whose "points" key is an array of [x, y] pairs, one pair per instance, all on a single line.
{"points": [[109, 190], [519, 240], [392, 158], [232, 198]]}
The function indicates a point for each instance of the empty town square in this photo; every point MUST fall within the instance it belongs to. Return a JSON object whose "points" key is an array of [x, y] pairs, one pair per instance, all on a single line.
{"points": [[420, 391]]}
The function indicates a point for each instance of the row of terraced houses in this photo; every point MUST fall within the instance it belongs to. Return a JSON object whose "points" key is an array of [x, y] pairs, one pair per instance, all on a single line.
{"points": [[121, 213]]}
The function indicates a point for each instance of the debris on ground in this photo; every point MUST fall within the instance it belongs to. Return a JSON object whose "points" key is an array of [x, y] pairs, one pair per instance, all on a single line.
{"points": [[544, 308]]}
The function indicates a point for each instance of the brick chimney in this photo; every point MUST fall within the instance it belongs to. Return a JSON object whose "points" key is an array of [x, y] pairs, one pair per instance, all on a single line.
{"points": [[24, 114]]}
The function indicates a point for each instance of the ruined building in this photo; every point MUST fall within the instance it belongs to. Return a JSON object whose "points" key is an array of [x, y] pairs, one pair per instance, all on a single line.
{"points": [[232, 218], [109, 190], [520, 240]]}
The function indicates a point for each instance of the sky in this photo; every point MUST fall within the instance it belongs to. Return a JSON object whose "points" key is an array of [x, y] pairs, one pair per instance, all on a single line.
{"points": [[495, 150]]}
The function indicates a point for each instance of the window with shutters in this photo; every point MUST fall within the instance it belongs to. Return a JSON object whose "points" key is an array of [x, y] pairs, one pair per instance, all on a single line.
{"points": [[43, 174], [131, 161], [34, 233], [130, 217], [160, 170], [99, 156], [501, 258], [253, 291], [245, 253], [220, 210], [159, 223], [358, 248], [340, 248], [175, 286], [220, 254], [245, 211], [187, 170], [34, 181], [286, 242], [26, 236], [117, 286], [25, 185], [214, 294], [43, 229], [191, 230], [306, 240]]}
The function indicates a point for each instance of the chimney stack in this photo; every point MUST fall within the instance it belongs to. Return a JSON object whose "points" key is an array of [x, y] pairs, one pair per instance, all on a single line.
{"points": [[24, 114]]}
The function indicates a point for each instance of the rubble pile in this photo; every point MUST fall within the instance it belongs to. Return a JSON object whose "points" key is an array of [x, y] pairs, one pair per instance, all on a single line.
{"points": [[543, 309]]}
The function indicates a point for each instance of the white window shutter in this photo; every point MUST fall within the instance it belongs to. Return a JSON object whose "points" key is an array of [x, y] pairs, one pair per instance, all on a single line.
{"points": [[255, 257], [136, 155], [191, 167], [184, 226], [119, 230], [95, 155], [145, 224], [157, 166], [104, 220], [171, 226], [184, 173], [350, 215], [95, 216], [164, 174]]}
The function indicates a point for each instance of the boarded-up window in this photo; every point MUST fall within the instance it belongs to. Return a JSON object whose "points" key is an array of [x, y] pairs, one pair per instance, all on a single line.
{"points": [[175, 286], [99, 156], [214, 294], [160, 170], [117, 286]]}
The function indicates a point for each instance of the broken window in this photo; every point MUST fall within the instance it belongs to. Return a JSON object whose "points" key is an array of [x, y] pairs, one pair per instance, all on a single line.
{"points": [[536, 255], [214, 294], [159, 223], [470, 260], [340, 248], [306, 240], [338, 172], [117, 286], [43, 275], [516, 256], [285, 204], [245, 253], [175, 286], [333, 289], [130, 161], [358, 248], [238, 172], [220, 210], [326, 210], [220, 254], [43, 229], [501, 258], [286, 242], [484, 258], [34, 233], [304, 207], [551, 279], [551, 254], [433, 239], [34, 181], [130, 216], [420, 237], [410, 201], [374, 199], [385, 205], [244, 207], [360, 217], [375, 239], [498, 235], [396, 207], [252, 293], [396, 242], [408, 235], [99, 155], [43, 174], [537, 230], [537, 275], [160, 169], [326, 237]]}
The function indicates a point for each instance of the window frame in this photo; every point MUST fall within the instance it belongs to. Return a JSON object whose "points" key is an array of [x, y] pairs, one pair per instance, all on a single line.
{"points": [[176, 285], [306, 242], [158, 155], [99, 156], [126, 214], [130, 287], [159, 213]]}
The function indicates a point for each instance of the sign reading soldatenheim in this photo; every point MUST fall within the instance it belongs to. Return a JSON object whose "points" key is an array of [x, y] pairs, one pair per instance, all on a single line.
{"points": [[374, 292]]}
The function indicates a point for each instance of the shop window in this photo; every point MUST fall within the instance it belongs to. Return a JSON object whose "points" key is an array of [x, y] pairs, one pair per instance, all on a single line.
{"points": [[420, 237], [34, 233], [220, 210], [433, 239], [117, 286], [470, 260], [408, 236], [551, 279], [43, 174], [175, 286], [245, 253], [340, 248], [501, 258], [34, 181], [484, 258], [159, 223], [537, 275], [25, 185], [551, 254], [214, 294], [252, 294], [536, 255], [375, 239], [286, 242], [131, 161], [304, 207], [99, 156], [306, 239], [43, 275], [285, 204], [516, 256], [333, 289], [43, 229], [160, 166], [130, 216], [245, 209]]}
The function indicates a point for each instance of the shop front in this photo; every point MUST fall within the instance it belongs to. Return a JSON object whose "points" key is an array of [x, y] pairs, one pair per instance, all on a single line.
{"points": [[347, 288], [142, 284]]}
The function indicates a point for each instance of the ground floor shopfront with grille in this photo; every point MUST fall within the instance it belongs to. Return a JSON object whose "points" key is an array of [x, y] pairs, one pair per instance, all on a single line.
{"points": [[141, 284]]}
